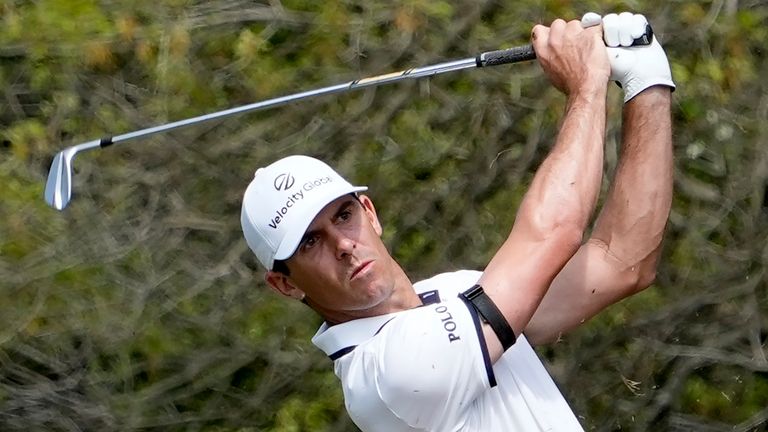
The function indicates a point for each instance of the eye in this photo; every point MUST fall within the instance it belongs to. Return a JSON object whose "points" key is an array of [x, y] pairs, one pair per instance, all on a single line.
{"points": [[309, 242], [345, 215]]}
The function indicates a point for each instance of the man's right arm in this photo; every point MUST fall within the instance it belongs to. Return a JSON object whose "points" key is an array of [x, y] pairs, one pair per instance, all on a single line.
{"points": [[560, 201]]}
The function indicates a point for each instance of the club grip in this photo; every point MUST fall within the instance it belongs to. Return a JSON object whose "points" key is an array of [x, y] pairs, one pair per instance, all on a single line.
{"points": [[505, 56], [526, 52]]}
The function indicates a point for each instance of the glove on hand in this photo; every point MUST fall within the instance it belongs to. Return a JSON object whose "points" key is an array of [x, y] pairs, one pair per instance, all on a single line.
{"points": [[633, 68]]}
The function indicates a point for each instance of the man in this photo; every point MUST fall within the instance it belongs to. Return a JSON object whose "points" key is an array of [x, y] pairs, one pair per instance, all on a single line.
{"points": [[452, 352]]}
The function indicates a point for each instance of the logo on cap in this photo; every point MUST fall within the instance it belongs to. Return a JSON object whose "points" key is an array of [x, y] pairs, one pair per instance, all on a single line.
{"points": [[284, 182]]}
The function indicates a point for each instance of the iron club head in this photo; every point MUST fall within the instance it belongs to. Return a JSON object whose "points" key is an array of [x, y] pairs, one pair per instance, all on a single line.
{"points": [[58, 188]]}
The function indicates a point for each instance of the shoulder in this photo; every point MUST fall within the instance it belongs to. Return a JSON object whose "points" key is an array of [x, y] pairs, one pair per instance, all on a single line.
{"points": [[449, 283], [425, 366]]}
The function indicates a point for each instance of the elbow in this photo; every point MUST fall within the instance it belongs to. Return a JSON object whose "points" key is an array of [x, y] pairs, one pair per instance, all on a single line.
{"points": [[646, 274], [563, 241], [559, 241], [568, 236], [639, 276], [632, 273], [569, 226], [563, 232], [645, 269]]}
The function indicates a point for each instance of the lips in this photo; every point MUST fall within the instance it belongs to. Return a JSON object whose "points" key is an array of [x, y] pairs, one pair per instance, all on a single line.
{"points": [[360, 269]]}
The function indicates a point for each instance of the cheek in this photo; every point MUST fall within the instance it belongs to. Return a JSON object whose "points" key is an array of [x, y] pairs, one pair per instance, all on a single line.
{"points": [[379, 245], [316, 278]]}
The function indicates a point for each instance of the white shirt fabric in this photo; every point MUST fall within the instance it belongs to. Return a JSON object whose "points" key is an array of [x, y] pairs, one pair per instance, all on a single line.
{"points": [[428, 369]]}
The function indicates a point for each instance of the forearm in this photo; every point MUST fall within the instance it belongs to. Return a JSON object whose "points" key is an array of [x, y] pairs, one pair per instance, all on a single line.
{"points": [[631, 225], [551, 219], [554, 213], [564, 190]]}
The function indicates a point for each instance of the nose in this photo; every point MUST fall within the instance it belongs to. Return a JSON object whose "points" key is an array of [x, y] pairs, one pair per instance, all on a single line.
{"points": [[344, 245]]}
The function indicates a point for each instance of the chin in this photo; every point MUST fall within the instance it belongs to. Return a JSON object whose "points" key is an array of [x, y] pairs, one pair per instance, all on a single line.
{"points": [[376, 297]]}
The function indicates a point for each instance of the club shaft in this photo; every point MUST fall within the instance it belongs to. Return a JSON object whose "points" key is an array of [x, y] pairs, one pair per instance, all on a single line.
{"points": [[484, 59], [231, 111], [282, 100]]}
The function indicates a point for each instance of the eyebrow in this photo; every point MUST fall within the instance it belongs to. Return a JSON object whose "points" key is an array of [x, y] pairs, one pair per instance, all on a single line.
{"points": [[344, 206]]}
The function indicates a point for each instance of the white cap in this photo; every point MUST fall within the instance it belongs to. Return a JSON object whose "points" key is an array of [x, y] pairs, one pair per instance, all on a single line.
{"points": [[281, 202]]}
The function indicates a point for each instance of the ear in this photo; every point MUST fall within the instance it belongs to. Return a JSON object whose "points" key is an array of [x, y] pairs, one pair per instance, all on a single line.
{"points": [[370, 212], [282, 284]]}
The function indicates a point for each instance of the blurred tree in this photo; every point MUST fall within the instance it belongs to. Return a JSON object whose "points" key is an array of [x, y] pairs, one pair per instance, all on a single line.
{"points": [[140, 306]]}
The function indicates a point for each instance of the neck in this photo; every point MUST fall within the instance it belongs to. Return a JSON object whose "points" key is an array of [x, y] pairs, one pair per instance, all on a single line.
{"points": [[403, 297]]}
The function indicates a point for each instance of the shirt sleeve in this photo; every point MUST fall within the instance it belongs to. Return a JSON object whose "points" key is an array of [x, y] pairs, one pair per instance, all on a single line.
{"points": [[432, 363]]}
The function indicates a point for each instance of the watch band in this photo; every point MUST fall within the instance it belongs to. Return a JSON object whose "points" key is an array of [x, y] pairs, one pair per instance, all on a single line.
{"points": [[490, 314]]}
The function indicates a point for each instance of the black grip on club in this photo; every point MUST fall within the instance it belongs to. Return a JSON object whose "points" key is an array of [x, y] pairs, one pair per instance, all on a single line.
{"points": [[526, 52], [505, 56]]}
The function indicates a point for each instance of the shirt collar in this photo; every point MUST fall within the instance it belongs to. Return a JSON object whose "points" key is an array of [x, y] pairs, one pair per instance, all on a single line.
{"points": [[342, 338], [332, 339]]}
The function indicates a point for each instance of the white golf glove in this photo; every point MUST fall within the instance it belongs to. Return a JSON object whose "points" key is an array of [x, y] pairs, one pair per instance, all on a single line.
{"points": [[633, 68]]}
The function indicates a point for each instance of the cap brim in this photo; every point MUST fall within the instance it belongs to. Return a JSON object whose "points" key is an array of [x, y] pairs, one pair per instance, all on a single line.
{"points": [[293, 237]]}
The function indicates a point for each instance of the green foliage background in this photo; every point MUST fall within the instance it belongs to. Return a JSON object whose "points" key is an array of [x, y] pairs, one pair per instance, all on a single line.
{"points": [[141, 308]]}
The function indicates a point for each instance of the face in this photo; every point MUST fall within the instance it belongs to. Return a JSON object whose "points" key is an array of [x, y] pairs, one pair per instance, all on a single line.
{"points": [[341, 267]]}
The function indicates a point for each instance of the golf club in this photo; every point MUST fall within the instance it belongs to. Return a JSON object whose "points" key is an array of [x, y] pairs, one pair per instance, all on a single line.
{"points": [[58, 188]]}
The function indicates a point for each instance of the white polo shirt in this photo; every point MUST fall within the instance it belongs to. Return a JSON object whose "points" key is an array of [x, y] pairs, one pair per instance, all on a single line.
{"points": [[428, 369]]}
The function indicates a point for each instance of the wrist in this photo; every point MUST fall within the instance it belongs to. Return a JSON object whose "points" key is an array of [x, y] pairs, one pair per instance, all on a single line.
{"points": [[636, 87], [656, 95], [590, 91]]}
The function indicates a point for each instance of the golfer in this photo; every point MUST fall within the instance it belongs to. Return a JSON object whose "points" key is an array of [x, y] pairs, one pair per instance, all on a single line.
{"points": [[453, 352]]}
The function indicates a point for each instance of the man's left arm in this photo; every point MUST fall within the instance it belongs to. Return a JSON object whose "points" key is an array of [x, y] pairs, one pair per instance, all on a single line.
{"points": [[621, 256]]}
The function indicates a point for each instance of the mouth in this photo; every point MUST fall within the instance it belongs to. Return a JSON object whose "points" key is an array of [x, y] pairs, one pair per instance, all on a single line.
{"points": [[361, 269]]}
